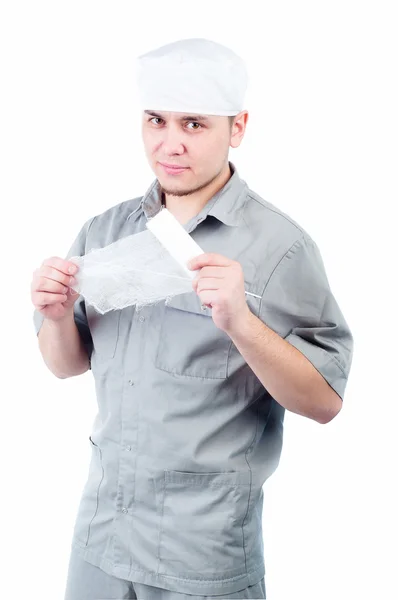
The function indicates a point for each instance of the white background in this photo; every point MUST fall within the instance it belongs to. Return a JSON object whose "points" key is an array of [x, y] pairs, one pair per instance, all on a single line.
{"points": [[321, 144]]}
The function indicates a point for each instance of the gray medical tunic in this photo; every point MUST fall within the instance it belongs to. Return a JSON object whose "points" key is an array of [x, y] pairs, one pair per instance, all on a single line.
{"points": [[186, 434]]}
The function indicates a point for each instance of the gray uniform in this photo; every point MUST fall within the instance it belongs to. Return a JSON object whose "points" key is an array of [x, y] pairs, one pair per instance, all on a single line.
{"points": [[186, 434]]}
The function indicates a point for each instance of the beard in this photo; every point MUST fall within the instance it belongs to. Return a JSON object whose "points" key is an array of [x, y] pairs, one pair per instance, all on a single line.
{"points": [[188, 191]]}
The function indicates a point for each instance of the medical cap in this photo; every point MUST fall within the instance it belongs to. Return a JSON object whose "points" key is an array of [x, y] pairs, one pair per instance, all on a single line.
{"points": [[192, 76]]}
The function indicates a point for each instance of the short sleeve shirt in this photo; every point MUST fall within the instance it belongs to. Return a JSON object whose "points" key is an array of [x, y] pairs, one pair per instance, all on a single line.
{"points": [[185, 434]]}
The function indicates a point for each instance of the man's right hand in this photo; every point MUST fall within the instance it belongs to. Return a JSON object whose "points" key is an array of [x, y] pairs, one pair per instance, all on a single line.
{"points": [[50, 288]]}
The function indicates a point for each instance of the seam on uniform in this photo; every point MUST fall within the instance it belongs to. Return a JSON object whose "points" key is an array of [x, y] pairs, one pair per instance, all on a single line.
{"points": [[229, 357], [216, 582], [140, 198], [88, 231], [250, 489], [244, 214], [242, 208], [276, 266], [161, 524], [274, 210], [205, 377], [329, 356], [98, 489], [340, 365]]}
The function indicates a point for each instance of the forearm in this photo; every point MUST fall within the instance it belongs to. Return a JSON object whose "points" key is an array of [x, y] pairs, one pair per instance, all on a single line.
{"points": [[285, 372], [62, 348]]}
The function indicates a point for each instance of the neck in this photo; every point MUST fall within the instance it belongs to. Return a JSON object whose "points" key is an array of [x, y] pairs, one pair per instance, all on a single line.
{"points": [[184, 208]]}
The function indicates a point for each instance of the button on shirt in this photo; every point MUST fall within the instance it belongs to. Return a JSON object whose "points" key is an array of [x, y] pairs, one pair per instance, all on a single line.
{"points": [[186, 434]]}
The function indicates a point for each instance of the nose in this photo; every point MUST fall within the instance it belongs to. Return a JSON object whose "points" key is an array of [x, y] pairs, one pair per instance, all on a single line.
{"points": [[172, 142]]}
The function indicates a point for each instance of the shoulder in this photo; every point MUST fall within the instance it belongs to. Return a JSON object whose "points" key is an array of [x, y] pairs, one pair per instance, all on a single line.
{"points": [[277, 229], [268, 213], [120, 211], [107, 226]]}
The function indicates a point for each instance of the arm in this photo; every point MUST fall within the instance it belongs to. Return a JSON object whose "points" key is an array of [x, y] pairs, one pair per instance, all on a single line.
{"points": [[62, 348], [300, 347], [66, 345], [285, 372]]}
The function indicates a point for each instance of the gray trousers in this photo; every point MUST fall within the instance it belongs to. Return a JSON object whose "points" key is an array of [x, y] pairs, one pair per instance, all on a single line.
{"points": [[88, 582]]}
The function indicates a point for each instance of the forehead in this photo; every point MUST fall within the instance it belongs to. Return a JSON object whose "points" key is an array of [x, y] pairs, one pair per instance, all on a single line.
{"points": [[179, 116]]}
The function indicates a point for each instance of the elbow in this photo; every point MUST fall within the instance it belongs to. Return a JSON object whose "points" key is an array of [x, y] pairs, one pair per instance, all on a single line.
{"points": [[69, 375], [333, 407]]}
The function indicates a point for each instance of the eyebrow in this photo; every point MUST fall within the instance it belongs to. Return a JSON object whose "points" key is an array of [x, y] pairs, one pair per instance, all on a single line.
{"points": [[184, 118]]}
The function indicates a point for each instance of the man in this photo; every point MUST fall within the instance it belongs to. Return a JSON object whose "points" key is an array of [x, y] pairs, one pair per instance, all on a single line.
{"points": [[192, 393]]}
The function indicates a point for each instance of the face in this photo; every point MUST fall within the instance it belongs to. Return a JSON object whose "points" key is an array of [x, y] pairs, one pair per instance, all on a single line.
{"points": [[198, 143]]}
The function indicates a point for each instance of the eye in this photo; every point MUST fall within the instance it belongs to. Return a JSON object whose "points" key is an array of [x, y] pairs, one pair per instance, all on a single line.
{"points": [[190, 122]]}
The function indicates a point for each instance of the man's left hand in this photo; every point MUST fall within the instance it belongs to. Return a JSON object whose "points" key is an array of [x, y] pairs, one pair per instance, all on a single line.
{"points": [[220, 286]]}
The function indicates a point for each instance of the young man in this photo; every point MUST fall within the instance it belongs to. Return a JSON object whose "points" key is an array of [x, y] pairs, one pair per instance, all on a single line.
{"points": [[192, 394]]}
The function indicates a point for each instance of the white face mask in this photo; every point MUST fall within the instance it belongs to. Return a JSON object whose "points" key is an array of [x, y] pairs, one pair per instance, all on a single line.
{"points": [[139, 269]]}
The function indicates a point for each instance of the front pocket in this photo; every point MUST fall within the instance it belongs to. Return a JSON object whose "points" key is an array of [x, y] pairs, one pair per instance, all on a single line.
{"points": [[104, 331], [190, 344], [202, 515], [89, 503]]}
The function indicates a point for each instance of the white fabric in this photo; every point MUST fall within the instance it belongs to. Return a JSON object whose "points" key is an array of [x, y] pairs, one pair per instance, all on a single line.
{"points": [[177, 241], [139, 269], [135, 270], [192, 76]]}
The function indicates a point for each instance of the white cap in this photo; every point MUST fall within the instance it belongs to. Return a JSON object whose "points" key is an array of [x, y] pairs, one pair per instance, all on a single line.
{"points": [[192, 76]]}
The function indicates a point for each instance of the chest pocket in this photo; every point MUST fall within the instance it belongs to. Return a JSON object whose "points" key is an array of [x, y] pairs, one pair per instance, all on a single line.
{"points": [[190, 344], [104, 331]]}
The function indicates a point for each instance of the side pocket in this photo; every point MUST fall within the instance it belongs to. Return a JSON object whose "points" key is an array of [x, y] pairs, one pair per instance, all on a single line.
{"points": [[89, 502], [201, 524]]}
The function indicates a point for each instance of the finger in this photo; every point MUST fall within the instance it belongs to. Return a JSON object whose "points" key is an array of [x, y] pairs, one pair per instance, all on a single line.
{"points": [[49, 272], [45, 284], [208, 298], [41, 299], [216, 272], [61, 264], [209, 259], [207, 283]]}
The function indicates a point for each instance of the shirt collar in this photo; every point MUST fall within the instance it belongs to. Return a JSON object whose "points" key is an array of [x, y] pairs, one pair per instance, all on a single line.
{"points": [[226, 205]]}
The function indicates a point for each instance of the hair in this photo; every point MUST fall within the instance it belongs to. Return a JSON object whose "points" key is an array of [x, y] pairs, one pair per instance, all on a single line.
{"points": [[231, 120]]}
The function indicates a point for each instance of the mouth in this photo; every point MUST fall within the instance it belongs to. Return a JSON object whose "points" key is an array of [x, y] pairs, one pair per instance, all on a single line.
{"points": [[173, 169]]}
